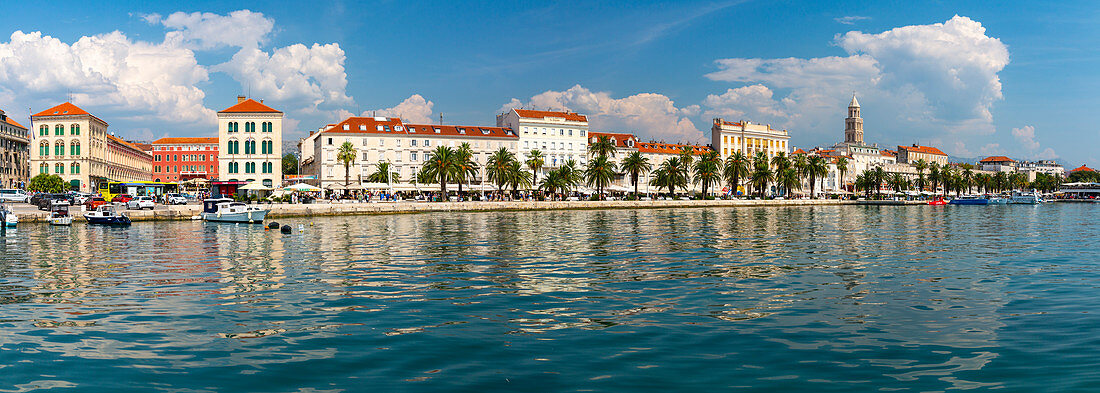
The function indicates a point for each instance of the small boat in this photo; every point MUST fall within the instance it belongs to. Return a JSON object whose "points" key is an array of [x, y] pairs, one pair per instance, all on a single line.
{"points": [[969, 200], [1025, 198], [937, 202], [8, 214], [59, 213], [106, 215], [997, 200], [226, 210]]}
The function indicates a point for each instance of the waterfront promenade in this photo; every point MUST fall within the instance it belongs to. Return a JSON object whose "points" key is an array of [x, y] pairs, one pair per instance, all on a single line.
{"points": [[188, 212]]}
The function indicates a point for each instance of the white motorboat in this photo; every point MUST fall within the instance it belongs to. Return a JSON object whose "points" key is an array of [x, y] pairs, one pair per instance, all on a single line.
{"points": [[8, 214], [226, 210], [1025, 198], [998, 200], [106, 215], [59, 213]]}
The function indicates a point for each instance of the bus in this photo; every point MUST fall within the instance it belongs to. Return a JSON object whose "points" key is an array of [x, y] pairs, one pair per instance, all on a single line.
{"points": [[111, 189]]}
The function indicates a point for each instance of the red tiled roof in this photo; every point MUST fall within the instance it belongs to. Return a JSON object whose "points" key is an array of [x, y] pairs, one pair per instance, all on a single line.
{"points": [[471, 131], [527, 113], [669, 148], [798, 151], [1083, 168], [143, 146], [922, 149], [997, 159], [888, 153], [620, 138], [249, 106], [187, 141], [12, 122], [65, 109], [125, 143], [393, 125], [367, 125]]}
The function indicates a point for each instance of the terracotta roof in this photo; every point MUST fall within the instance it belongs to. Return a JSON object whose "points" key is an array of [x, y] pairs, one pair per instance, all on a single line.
{"points": [[798, 151], [393, 125], [368, 125], [469, 131], [65, 109], [143, 146], [187, 141], [922, 149], [125, 143], [526, 113], [997, 159], [249, 106], [669, 148], [12, 122], [888, 153], [1083, 168], [730, 123], [620, 138]]}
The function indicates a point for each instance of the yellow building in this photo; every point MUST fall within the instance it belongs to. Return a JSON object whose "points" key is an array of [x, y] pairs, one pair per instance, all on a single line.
{"points": [[728, 138], [70, 142]]}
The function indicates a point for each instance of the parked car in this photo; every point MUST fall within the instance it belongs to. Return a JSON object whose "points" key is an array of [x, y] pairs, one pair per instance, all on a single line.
{"points": [[94, 202], [142, 202], [44, 200], [175, 199], [79, 198], [14, 196], [122, 198]]}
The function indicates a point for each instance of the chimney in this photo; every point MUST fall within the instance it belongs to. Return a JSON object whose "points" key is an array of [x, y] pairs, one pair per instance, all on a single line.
{"points": [[240, 99], [261, 100]]}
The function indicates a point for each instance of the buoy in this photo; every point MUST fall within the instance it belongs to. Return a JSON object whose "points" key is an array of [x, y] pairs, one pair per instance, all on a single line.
{"points": [[273, 225], [286, 229]]}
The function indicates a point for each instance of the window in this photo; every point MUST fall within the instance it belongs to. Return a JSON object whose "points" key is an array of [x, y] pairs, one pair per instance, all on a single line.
{"points": [[524, 130], [156, 168], [44, 149], [43, 168], [250, 126], [267, 167], [561, 132], [59, 168], [267, 147], [582, 132], [74, 148], [427, 143], [267, 126], [412, 156], [570, 132], [74, 168], [156, 158], [347, 127], [413, 143], [232, 167], [234, 127], [59, 148], [74, 129], [381, 142], [250, 167], [437, 130], [267, 183], [59, 130], [44, 130], [250, 147], [330, 141], [364, 156]]}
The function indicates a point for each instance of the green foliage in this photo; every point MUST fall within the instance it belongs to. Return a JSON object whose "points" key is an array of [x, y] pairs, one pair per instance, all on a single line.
{"points": [[736, 169], [290, 164], [635, 164], [708, 170], [384, 173], [47, 183]]}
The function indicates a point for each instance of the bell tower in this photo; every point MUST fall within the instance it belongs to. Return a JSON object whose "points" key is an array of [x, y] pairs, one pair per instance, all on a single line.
{"points": [[853, 125]]}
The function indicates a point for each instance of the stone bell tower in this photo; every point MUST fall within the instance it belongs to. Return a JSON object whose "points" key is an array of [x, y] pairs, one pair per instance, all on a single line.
{"points": [[853, 125]]}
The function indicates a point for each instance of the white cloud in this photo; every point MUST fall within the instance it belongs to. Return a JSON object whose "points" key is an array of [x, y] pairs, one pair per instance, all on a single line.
{"points": [[305, 78], [647, 115], [414, 109], [920, 80], [851, 19], [1047, 154], [109, 72], [754, 101], [1026, 136], [205, 30]]}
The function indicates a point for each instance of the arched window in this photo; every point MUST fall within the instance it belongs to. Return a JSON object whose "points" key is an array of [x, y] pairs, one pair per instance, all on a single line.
{"points": [[266, 147], [231, 146], [59, 148], [44, 130], [250, 147], [266, 126], [74, 148], [43, 167], [74, 168], [74, 129], [59, 168], [267, 183], [232, 127], [59, 130], [250, 126], [267, 167], [44, 149]]}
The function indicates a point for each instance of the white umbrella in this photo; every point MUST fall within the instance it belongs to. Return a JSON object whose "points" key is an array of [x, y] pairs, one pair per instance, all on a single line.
{"points": [[334, 186], [302, 187], [255, 186]]}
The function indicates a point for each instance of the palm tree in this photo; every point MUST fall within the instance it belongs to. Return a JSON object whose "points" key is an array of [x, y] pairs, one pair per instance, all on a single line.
{"points": [[816, 168], [602, 147], [660, 179], [842, 167], [921, 166], [498, 167], [672, 174], [554, 182], [879, 176], [600, 173], [467, 167], [788, 180], [635, 164], [708, 170], [898, 182], [761, 173], [934, 176], [384, 173], [517, 177], [571, 175], [687, 156], [535, 161], [801, 164], [346, 155], [736, 168], [442, 166]]}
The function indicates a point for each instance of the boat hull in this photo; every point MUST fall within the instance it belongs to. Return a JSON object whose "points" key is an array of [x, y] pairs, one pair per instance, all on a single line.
{"points": [[119, 220], [977, 202], [256, 216], [61, 221]]}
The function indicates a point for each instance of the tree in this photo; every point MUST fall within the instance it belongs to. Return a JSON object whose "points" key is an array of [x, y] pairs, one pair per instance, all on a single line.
{"points": [[535, 161], [498, 167], [467, 167], [921, 166], [290, 164], [934, 176], [571, 175], [47, 183], [442, 166], [761, 173], [602, 147], [736, 168], [788, 180], [816, 168], [600, 173], [1084, 176], [801, 165], [517, 177], [635, 164], [879, 177], [346, 155], [898, 182], [384, 173], [968, 178], [671, 174], [708, 170], [687, 156], [842, 167]]}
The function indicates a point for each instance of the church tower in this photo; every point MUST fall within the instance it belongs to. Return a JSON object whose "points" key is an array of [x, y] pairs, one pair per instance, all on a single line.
{"points": [[853, 125]]}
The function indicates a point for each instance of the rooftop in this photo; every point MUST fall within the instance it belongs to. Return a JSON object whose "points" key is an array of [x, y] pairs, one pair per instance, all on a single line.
{"points": [[533, 114], [187, 141], [670, 148], [922, 149], [249, 106], [65, 109], [1083, 168], [619, 138], [996, 159]]}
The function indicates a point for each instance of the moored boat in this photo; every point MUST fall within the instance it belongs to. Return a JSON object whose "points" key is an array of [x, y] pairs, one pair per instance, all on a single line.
{"points": [[937, 202], [997, 200], [59, 213], [226, 210], [106, 215], [1025, 198], [8, 214], [969, 200]]}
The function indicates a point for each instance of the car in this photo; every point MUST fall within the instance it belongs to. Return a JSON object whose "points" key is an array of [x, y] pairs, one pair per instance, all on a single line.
{"points": [[45, 200], [175, 199], [94, 202], [14, 196], [142, 202], [79, 198], [122, 198]]}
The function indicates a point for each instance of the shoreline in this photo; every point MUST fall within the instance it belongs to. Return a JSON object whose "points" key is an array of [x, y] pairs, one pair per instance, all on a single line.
{"points": [[187, 212]]}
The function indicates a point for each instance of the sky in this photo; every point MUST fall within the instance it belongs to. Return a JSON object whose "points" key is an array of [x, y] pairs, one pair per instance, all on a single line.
{"points": [[973, 78]]}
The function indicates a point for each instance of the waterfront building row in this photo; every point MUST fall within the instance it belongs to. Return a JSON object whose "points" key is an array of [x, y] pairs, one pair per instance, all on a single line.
{"points": [[14, 153]]}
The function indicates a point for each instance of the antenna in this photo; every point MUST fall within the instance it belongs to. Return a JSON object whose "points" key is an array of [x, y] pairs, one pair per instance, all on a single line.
{"points": [[441, 119]]}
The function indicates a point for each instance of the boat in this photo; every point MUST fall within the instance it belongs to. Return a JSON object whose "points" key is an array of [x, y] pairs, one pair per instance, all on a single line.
{"points": [[106, 215], [8, 215], [1025, 198], [937, 202], [997, 200], [226, 210], [970, 200], [59, 213]]}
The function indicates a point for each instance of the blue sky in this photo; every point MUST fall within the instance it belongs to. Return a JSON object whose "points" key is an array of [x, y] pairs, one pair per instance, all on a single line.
{"points": [[973, 78]]}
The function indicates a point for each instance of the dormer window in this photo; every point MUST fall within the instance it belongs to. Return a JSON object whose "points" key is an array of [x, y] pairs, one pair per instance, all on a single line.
{"points": [[387, 128], [347, 127], [362, 127], [397, 128], [437, 130], [485, 131], [462, 131], [379, 127]]}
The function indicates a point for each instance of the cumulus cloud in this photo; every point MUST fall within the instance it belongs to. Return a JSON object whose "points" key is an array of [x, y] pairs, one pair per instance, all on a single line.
{"points": [[305, 78], [921, 79], [205, 30], [747, 102], [1026, 136], [415, 109], [647, 115], [134, 79]]}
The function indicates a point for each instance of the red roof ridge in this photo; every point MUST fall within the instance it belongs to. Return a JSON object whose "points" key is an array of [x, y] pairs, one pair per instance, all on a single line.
{"points": [[1083, 168], [528, 113], [249, 106], [997, 159], [186, 140], [923, 149], [65, 109]]}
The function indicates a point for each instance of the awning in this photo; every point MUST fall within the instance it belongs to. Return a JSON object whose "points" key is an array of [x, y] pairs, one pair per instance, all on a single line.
{"points": [[302, 187], [334, 186], [254, 186]]}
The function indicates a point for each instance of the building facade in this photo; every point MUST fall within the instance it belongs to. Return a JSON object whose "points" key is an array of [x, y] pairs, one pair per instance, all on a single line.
{"points": [[912, 154], [75, 145], [1049, 167], [748, 138], [250, 143], [181, 159], [406, 147], [14, 153], [560, 136]]}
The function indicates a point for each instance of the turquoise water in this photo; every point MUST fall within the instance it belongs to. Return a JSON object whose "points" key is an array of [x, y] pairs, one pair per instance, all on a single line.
{"points": [[768, 299]]}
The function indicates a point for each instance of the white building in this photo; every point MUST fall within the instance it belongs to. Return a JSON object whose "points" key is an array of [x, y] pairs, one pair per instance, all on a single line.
{"points": [[405, 146], [250, 138], [1043, 166], [560, 136], [75, 145], [728, 138]]}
